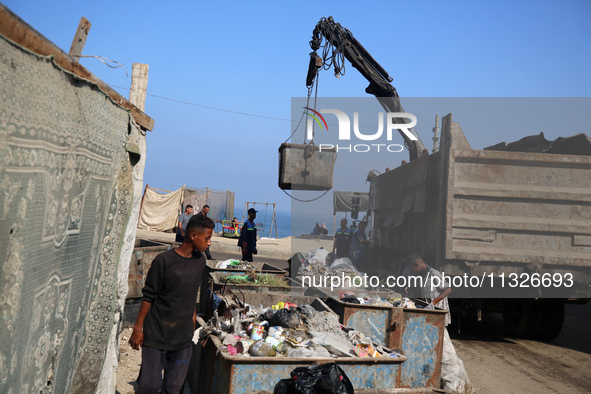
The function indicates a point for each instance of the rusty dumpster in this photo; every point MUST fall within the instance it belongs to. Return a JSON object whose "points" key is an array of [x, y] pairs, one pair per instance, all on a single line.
{"points": [[213, 371], [417, 333], [143, 254], [258, 267], [294, 287]]}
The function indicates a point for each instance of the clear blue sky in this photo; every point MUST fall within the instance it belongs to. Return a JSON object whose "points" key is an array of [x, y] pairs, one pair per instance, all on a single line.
{"points": [[252, 57]]}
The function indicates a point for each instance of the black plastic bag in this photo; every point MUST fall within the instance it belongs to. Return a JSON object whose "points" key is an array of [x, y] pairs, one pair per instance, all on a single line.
{"points": [[288, 318], [319, 379], [351, 300]]}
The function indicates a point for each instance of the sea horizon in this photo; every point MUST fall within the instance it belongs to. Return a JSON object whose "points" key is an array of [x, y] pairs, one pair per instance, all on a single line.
{"points": [[290, 224]]}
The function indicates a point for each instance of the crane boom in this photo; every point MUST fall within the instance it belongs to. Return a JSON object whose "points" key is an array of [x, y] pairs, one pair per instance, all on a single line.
{"points": [[379, 81]]}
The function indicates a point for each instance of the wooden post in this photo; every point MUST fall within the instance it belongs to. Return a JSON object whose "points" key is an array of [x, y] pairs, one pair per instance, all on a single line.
{"points": [[142, 203], [139, 85], [80, 39]]}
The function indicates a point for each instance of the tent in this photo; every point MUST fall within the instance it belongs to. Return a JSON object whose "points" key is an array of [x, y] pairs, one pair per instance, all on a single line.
{"points": [[348, 202], [344, 201], [161, 208]]}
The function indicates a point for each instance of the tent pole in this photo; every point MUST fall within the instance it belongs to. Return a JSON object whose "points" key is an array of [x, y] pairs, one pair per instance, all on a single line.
{"points": [[275, 220], [334, 224]]}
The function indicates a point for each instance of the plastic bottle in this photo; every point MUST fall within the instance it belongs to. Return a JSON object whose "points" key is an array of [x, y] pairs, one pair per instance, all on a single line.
{"points": [[261, 349]]}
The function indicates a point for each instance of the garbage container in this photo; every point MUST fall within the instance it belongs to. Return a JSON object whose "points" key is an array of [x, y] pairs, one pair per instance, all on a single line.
{"points": [[417, 333], [218, 372]]}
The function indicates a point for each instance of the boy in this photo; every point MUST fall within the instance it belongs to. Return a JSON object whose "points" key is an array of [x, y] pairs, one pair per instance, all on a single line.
{"points": [[248, 236], [435, 296], [166, 320]]}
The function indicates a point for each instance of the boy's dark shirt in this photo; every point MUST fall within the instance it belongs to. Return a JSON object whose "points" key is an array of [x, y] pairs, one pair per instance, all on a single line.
{"points": [[171, 287]]}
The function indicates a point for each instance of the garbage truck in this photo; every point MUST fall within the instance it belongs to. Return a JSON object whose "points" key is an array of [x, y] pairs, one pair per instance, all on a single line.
{"points": [[513, 226]]}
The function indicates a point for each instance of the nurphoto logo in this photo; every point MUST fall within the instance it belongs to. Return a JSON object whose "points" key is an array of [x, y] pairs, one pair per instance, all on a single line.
{"points": [[394, 121]]}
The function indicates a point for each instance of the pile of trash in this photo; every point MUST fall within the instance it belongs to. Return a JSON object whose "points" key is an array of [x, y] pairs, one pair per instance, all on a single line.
{"points": [[391, 299], [254, 278], [321, 262], [235, 264], [288, 330]]}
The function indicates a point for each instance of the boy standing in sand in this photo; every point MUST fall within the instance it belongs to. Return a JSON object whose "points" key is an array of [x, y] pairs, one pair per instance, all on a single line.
{"points": [[166, 320]]}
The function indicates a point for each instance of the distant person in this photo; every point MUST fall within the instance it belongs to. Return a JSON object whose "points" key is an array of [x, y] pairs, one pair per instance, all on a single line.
{"points": [[204, 212], [248, 236], [353, 227], [342, 240], [360, 247], [234, 223], [433, 296], [182, 225], [323, 229], [317, 229], [165, 323]]}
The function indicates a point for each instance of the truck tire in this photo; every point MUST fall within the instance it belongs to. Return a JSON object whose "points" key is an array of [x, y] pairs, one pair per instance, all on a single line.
{"points": [[523, 318], [541, 319], [552, 320]]}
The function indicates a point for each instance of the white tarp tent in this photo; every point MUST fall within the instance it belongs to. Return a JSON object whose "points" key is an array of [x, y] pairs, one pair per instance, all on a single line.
{"points": [[160, 209], [343, 201]]}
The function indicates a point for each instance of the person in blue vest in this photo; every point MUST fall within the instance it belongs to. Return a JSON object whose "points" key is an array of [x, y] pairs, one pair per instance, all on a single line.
{"points": [[248, 236], [342, 240], [359, 246]]}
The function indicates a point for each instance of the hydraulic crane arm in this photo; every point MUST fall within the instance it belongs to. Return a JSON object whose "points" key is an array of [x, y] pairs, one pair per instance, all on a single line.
{"points": [[379, 81]]}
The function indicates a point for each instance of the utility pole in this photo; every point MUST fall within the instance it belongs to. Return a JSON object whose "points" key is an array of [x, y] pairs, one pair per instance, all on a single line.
{"points": [[139, 85]]}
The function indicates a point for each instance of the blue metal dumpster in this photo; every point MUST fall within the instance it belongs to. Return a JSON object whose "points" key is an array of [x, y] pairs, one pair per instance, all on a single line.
{"points": [[218, 372], [417, 333]]}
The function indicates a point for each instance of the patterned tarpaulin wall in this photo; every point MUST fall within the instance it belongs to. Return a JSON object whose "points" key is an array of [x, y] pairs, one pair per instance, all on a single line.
{"points": [[65, 193]]}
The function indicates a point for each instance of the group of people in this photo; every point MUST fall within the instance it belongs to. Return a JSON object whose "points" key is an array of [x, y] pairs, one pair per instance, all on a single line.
{"points": [[248, 234], [167, 317], [352, 243], [319, 230], [184, 221]]}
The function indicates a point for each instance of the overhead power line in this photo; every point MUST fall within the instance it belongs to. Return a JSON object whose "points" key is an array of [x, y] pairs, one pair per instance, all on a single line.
{"points": [[208, 107], [238, 112]]}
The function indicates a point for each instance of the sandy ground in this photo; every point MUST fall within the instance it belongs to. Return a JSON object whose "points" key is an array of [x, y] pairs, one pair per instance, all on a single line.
{"points": [[274, 248], [496, 363], [130, 360]]}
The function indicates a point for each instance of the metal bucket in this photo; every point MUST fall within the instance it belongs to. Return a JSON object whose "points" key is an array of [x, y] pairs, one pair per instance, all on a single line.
{"points": [[305, 167]]}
